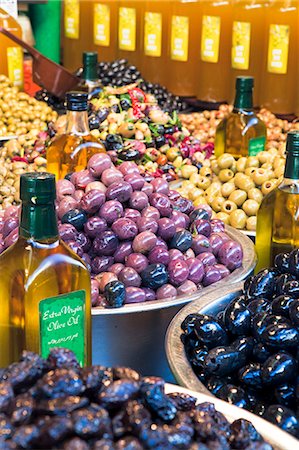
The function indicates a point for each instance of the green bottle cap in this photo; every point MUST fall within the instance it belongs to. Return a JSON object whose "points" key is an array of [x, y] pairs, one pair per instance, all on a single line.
{"points": [[76, 101], [244, 83], [38, 188], [293, 143], [90, 66]]}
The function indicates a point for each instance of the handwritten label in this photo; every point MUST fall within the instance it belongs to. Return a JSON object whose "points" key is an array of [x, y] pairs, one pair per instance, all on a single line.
{"points": [[62, 324], [71, 18], [241, 45], [101, 24], [278, 50], [15, 65], [127, 29], [210, 38], [179, 38], [256, 145], [152, 34]]}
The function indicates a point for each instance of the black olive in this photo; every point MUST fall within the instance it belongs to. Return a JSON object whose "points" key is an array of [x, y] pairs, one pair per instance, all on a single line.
{"points": [[234, 395], [198, 214], [189, 323], [279, 368], [280, 336], [114, 138], [169, 130], [197, 356], [285, 394], [154, 276], [223, 361], [294, 312], [259, 305], [243, 434], [214, 384], [282, 262], [292, 288], [262, 284], [181, 240], [160, 141], [115, 294], [260, 353], [93, 122], [294, 263], [244, 345], [128, 154], [76, 217], [150, 144], [237, 317], [281, 305], [209, 331], [283, 417], [68, 176], [250, 375], [125, 104], [281, 281]]}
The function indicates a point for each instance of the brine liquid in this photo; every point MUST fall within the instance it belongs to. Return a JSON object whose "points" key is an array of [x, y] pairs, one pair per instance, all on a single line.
{"points": [[234, 134], [70, 153], [32, 272], [277, 225]]}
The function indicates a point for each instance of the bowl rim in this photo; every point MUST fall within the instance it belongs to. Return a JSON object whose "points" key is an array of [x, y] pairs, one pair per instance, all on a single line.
{"points": [[249, 262]]}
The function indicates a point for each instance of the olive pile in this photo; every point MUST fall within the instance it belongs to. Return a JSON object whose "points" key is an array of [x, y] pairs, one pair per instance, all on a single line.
{"points": [[20, 113], [53, 403], [234, 188], [248, 354]]}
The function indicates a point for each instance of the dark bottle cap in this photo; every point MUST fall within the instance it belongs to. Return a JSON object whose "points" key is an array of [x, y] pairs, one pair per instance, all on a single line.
{"points": [[90, 66], [39, 188], [244, 83], [293, 143], [76, 101]]}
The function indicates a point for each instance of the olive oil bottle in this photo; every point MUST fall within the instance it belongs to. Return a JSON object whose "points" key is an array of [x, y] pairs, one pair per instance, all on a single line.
{"points": [[278, 216], [44, 286], [71, 151], [241, 133], [90, 82]]}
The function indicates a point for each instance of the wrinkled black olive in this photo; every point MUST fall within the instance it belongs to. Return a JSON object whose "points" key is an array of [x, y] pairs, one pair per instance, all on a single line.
{"points": [[280, 283], [259, 305], [279, 368], [294, 312], [250, 375], [285, 394], [115, 293], [161, 405], [262, 284], [197, 357], [6, 428], [93, 421], [210, 423], [181, 240], [189, 323], [294, 263], [60, 382], [223, 361], [183, 402], [26, 436], [243, 434], [6, 395], [284, 418], [62, 406], [62, 358], [280, 336], [125, 372], [234, 395], [281, 305], [117, 393], [128, 443], [209, 332], [154, 276], [54, 431], [23, 410], [94, 377], [24, 374], [237, 317], [281, 261]]}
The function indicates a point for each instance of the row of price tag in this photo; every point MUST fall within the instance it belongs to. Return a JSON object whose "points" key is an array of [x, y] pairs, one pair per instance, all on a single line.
{"points": [[179, 41]]}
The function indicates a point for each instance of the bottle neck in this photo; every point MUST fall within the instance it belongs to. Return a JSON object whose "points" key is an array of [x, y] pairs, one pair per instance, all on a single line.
{"points": [[77, 123], [291, 170], [243, 100], [38, 222], [90, 72]]}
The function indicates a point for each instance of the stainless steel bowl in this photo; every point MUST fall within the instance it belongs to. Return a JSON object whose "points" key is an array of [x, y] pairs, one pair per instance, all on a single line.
{"points": [[212, 303], [134, 334], [280, 440]]}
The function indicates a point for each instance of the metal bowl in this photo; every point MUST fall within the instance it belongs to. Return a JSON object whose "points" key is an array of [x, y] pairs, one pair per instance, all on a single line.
{"points": [[212, 303], [280, 440], [134, 334]]}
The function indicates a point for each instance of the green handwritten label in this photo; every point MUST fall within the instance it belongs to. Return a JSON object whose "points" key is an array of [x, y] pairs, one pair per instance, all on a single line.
{"points": [[62, 323], [256, 145]]}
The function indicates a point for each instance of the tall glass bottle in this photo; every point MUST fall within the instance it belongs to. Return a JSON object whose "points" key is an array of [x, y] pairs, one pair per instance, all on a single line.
{"points": [[90, 81], [44, 286], [278, 216], [70, 152], [241, 133]]}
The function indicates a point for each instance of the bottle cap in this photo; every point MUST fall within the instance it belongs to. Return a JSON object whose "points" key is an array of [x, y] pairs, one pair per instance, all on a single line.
{"points": [[244, 83], [90, 66], [38, 188], [293, 143], [76, 101]]}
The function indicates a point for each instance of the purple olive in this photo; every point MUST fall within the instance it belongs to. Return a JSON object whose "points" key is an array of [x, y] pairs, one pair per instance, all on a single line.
{"points": [[110, 176], [11, 238], [101, 264], [174, 254], [147, 224], [132, 214], [129, 277], [67, 232], [161, 243], [94, 291], [183, 204], [129, 168], [178, 271], [94, 226], [11, 224], [201, 226], [179, 219], [196, 270], [134, 295], [166, 291], [224, 272], [82, 179], [138, 200], [98, 163], [187, 288], [231, 255], [136, 181], [84, 242], [162, 203], [124, 249], [120, 190], [78, 195], [217, 225], [137, 261], [65, 205], [87, 259], [147, 189], [207, 258], [125, 228], [150, 294], [216, 241], [92, 201], [159, 255], [64, 187], [200, 244], [75, 247], [116, 268], [160, 186], [173, 195], [111, 211], [144, 242], [151, 212], [212, 275], [166, 228], [105, 243]]}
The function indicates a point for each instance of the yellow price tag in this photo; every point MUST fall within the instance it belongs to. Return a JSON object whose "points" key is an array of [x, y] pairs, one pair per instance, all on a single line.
{"points": [[179, 38], [241, 45], [210, 38], [278, 50], [101, 24], [127, 29], [152, 34], [71, 18], [15, 65]]}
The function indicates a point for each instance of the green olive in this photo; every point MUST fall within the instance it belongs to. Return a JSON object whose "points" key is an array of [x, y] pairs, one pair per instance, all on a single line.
{"points": [[204, 182], [268, 186], [228, 206], [238, 197], [217, 203], [255, 194], [223, 216], [264, 157], [225, 175], [251, 207], [243, 182], [250, 171], [205, 172], [260, 176], [225, 161], [279, 171], [252, 161], [241, 164], [215, 168], [251, 223], [237, 219], [227, 188]]}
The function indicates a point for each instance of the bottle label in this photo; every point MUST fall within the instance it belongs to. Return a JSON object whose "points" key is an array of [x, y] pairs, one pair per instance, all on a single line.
{"points": [[71, 18], [256, 145], [15, 65], [179, 38], [152, 34], [127, 29], [101, 24], [210, 38], [241, 45], [278, 50], [62, 324]]}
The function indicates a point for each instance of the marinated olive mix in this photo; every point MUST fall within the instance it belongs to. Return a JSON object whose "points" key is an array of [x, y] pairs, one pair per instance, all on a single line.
{"points": [[53, 403], [136, 237], [249, 354]]}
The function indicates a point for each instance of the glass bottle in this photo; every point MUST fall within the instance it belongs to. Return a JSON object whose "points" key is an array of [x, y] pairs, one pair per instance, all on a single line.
{"points": [[70, 152], [278, 216], [241, 133], [90, 82], [44, 286], [11, 61]]}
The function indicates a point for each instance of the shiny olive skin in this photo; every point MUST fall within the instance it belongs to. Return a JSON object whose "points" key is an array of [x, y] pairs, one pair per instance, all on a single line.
{"points": [[279, 368], [294, 263], [197, 356], [154, 276], [214, 383], [285, 394], [245, 346], [222, 361], [188, 324], [260, 353], [115, 294], [250, 375], [260, 305], [237, 317], [234, 395], [209, 332], [283, 417], [181, 240], [280, 283], [294, 312], [281, 261], [262, 284], [281, 305], [280, 336], [76, 217], [292, 288], [198, 213]]}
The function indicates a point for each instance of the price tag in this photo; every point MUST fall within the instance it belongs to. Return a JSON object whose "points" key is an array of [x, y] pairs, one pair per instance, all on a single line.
{"points": [[152, 34], [256, 145], [101, 24], [210, 38], [62, 324], [15, 65], [278, 50], [71, 18], [179, 38], [241, 45], [10, 6], [127, 29]]}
